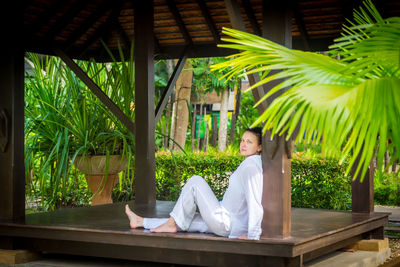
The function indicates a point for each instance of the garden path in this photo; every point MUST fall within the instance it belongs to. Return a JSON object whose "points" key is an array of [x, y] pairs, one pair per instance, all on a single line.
{"points": [[394, 217]]}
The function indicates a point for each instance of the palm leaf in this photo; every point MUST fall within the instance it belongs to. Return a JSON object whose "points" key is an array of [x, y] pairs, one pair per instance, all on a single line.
{"points": [[352, 104]]}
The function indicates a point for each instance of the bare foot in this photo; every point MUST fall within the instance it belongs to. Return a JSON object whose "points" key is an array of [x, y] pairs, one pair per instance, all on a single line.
{"points": [[134, 219], [168, 227]]}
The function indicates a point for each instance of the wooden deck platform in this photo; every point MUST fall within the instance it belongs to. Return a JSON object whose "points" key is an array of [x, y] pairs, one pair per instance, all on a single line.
{"points": [[103, 231]]}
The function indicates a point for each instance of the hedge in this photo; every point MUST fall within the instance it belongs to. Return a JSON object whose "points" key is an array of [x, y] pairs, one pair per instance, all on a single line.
{"points": [[173, 170], [316, 182], [387, 188]]}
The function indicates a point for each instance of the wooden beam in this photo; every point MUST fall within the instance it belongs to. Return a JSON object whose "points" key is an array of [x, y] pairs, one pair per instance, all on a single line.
{"points": [[194, 51], [209, 20], [277, 12], [144, 100], [41, 20], [84, 27], [123, 35], [174, 51], [300, 24], [382, 8], [348, 8], [66, 18], [170, 86], [276, 152], [12, 167], [251, 16], [157, 46], [362, 193], [104, 29], [96, 90], [179, 21], [276, 164], [236, 20]]}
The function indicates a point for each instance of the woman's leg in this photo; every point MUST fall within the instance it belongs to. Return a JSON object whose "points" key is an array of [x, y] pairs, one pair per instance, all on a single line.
{"points": [[136, 221], [197, 225], [197, 193]]}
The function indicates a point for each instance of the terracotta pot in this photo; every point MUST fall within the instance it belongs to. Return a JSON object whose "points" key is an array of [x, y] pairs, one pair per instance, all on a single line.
{"points": [[101, 185]]}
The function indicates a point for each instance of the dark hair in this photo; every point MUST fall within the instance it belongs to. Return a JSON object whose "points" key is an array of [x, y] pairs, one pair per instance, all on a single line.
{"points": [[257, 131]]}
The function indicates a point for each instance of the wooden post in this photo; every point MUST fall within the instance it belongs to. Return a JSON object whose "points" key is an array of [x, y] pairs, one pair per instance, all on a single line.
{"points": [[12, 168], [276, 164], [362, 194], [276, 199], [144, 99], [238, 94]]}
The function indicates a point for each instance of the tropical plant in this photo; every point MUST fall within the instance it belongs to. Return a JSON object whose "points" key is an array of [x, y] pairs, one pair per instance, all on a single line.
{"points": [[350, 100], [206, 81], [64, 120]]}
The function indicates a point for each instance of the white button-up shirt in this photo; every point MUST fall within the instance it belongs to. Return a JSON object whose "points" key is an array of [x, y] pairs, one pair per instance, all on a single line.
{"points": [[243, 198]]}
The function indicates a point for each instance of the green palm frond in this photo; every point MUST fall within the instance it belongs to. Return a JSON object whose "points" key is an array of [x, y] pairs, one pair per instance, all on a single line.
{"points": [[352, 105]]}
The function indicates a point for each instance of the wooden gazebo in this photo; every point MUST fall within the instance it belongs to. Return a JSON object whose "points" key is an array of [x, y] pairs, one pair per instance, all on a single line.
{"points": [[72, 29]]}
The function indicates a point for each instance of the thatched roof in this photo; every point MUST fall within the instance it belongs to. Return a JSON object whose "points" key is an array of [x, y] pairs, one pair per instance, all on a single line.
{"points": [[77, 26]]}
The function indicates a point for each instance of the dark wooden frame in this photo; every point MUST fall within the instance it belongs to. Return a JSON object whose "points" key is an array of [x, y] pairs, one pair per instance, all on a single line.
{"points": [[144, 102]]}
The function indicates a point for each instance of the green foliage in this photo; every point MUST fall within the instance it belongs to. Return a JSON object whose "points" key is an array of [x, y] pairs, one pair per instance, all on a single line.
{"points": [[387, 188], [63, 119], [248, 114], [348, 102], [205, 81], [40, 197], [320, 183], [307, 149], [316, 182], [173, 170]]}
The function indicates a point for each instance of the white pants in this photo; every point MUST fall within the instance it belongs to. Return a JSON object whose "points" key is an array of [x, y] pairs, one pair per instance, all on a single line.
{"points": [[196, 193]]}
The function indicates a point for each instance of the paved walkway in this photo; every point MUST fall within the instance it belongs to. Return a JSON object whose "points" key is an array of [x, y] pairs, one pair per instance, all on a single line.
{"points": [[334, 259], [394, 217], [351, 259]]}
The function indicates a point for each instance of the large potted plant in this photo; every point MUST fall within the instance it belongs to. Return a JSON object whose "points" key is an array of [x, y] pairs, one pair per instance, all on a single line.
{"points": [[102, 144], [101, 175], [66, 124]]}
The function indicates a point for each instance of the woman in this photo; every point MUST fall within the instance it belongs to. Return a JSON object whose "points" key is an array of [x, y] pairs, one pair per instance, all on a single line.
{"points": [[238, 215]]}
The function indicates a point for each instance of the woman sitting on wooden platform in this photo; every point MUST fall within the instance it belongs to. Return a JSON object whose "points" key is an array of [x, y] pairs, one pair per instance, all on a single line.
{"points": [[238, 215]]}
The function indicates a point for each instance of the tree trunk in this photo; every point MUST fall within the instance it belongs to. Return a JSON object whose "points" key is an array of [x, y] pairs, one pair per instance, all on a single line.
{"points": [[167, 117], [193, 127], [182, 99], [236, 113], [205, 131], [170, 66], [168, 110], [214, 130], [223, 120], [173, 122], [199, 127]]}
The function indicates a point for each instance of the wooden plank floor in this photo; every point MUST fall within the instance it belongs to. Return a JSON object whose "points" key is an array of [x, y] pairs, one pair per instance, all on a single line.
{"points": [[314, 232]]}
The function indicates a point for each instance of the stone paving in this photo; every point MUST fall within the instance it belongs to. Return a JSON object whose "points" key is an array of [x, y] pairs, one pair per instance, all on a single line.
{"points": [[394, 217]]}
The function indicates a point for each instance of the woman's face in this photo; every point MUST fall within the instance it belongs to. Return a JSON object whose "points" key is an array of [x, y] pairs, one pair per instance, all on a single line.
{"points": [[249, 144]]}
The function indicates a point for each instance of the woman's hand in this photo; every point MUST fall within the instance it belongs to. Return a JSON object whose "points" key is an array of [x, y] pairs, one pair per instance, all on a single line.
{"points": [[243, 237]]}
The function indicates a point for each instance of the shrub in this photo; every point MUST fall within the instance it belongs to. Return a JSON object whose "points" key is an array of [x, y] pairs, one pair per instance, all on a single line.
{"points": [[173, 170], [318, 182], [387, 188]]}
